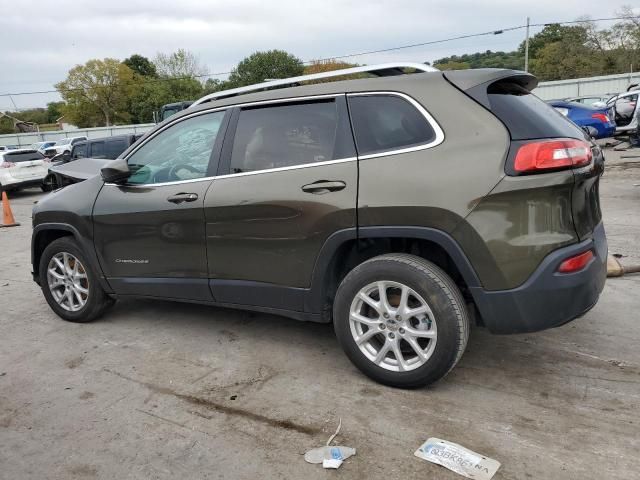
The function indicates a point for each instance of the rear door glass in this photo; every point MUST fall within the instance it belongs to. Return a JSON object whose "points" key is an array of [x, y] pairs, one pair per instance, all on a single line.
{"points": [[97, 150], [115, 147], [284, 136]]}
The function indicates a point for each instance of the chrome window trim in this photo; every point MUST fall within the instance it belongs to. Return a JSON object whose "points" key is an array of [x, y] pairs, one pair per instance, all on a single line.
{"points": [[439, 138], [216, 109]]}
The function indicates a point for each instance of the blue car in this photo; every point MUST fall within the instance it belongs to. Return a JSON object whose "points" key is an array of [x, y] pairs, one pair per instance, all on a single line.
{"points": [[602, 119]]}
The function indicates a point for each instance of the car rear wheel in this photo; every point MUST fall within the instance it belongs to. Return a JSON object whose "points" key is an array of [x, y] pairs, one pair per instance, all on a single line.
{"points": [[401, 320], [68, 283]]}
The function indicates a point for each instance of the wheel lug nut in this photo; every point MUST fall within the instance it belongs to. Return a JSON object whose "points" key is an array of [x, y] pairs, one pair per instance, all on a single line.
{"points": [[398, 317], [401, 331], [385, 315], [382, 326], [392, 336]]}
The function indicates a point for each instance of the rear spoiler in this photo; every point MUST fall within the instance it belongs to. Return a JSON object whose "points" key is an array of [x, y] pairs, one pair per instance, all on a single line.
{"points": [[475, 82]]}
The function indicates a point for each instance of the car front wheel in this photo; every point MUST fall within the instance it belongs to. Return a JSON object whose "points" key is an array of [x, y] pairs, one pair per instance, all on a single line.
{"points": [[401, 320], [69, 284]]}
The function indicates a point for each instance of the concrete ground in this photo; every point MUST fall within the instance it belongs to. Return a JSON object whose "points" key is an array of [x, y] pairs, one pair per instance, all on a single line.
{"points": [[163, 390]]}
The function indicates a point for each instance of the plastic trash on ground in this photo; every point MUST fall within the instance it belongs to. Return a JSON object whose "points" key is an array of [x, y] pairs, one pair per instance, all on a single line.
{"points": [[458, 459], [328, 456]]}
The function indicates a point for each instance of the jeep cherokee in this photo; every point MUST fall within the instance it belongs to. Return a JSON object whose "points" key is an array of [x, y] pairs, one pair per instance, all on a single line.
{"points": [[400, 207]]}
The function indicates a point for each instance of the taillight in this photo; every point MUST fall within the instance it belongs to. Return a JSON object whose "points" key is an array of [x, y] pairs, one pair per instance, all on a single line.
{"points": [[576, 263], [552, 155], [601, 116], [7, 165]]}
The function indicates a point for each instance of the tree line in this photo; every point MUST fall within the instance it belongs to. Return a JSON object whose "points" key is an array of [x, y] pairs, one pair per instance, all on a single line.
{"points": [[562, 52], [109, 91]]}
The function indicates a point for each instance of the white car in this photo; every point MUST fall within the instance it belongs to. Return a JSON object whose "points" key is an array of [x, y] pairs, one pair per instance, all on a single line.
{"points": [[22, 168], [64, 146]]}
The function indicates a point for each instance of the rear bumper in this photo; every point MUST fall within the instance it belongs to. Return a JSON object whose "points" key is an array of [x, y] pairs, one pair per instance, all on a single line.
{"points": [[547, 299]]}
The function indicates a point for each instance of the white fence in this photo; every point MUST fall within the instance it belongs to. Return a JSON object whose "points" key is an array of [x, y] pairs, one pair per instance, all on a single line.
{"points": [[26, 139], [607, 84]]}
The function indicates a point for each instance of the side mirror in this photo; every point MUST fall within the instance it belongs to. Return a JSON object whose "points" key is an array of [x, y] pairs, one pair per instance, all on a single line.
{"points": [[117, 171], [592, 132]]}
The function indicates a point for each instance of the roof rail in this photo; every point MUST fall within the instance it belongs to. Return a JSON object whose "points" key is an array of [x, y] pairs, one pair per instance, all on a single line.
{"points": [[381, 70]]}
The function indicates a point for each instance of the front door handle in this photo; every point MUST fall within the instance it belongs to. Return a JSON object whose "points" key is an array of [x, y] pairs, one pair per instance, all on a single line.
{"points": [[324, 186], [183, 197]]}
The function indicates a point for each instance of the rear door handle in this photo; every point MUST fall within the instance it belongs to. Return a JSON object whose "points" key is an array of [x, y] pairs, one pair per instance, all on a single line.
{"points": [[183, 197], [324, 186]]}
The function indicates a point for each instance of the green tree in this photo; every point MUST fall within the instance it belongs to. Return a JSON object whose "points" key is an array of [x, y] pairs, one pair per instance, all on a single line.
{"points": [[98, 92], [180, 63], [452, 65], [141, 65], [54, 111], [261, 66], [321, 66]]}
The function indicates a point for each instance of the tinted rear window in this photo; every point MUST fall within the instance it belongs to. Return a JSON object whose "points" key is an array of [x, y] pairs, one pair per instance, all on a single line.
{"points": [[18, 157], [384, 122], [526, 116]]}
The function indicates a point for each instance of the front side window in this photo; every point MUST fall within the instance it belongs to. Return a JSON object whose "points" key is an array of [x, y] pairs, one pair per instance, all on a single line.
{"points": [[179, 152], [384, 123], [284, 136], [79, 151]]}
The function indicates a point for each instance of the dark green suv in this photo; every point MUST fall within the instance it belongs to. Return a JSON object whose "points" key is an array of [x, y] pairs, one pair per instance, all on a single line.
{"points": [[400, 207]]}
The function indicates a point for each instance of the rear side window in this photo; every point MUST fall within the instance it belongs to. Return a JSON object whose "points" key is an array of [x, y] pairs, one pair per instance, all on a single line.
{"points": [[79, 151], [115, 147], [284, 136], [97, 150], [18, 157], [526, 116], [383, 123]]}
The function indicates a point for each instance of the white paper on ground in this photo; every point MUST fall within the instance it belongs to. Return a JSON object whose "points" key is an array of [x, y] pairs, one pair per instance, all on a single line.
{"points": [[319, 455], [331, 463], [458, 459]]}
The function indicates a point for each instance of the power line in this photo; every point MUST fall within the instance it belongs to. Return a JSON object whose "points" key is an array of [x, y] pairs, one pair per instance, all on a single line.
{"points": [[358, 54]]}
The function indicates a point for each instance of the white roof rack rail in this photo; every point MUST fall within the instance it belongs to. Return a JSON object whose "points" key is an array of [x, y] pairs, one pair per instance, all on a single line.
{"points": [[381, 70]]}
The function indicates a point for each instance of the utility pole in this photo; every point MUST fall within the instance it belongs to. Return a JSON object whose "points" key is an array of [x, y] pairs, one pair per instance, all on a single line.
{"points": [[526, 49]]}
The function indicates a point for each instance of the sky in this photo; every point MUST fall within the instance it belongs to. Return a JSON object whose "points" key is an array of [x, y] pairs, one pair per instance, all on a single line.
{"points": [[41, 40]]}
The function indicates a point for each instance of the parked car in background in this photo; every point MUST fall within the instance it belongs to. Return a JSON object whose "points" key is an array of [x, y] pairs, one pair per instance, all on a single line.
{"points": [[364, 203], [22, 168], [42, 146], [596, 101], [625, 107], [599, 118], [96, 148], [63, 146]]}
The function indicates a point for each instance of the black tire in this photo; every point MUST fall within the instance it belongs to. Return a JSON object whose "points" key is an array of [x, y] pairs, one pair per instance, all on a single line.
{"points": [[435, 287], [97, 300]]}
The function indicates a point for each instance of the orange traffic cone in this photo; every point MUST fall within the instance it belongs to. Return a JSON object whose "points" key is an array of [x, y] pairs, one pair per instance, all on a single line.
{"points": [[7, 215]]}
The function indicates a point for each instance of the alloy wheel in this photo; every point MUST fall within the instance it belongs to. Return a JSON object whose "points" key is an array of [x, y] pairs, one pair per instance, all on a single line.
{"points": [[68, 281], [393, 326]]}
